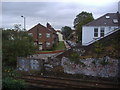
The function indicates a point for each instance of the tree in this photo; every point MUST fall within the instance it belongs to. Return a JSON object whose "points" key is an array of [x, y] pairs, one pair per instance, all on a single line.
{"points": [[17, 27], [66, 31], [16, 44], [80, 20]]}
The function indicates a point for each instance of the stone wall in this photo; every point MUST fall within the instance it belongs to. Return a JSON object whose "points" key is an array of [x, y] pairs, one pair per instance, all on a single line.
{"points": [[102, 67], [29, 64]]}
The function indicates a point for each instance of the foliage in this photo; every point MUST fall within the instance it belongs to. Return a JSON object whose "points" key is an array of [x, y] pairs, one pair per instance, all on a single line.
{"points": [[60, 46], [99, 49], [9, 72], [8, 81], [74, 57], [66, 31], [12, 84], [116, 46], [80, 20], [16, 44]]}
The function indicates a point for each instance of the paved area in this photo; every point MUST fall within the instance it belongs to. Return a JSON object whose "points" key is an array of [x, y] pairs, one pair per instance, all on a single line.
{"points": [[45, 56]]}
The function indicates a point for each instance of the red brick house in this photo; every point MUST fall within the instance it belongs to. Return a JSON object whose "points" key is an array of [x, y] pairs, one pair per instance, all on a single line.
{"points": [[44, 37]]}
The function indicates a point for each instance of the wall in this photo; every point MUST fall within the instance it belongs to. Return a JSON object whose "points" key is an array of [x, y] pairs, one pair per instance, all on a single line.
{"points": [[43, 39], [29, 64], [60, 36], [88, 33], [91, 69]]}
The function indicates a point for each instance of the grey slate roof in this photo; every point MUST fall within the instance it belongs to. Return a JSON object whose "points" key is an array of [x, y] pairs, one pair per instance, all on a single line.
{"points": [[103, 21]]}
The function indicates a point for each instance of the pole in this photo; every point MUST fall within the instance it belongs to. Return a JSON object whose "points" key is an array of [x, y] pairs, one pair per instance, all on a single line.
{"points": [[24, 22]]}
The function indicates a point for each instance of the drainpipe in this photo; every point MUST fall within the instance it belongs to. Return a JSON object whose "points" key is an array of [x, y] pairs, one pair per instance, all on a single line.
{"points": [[118, 14], [37, 37]]}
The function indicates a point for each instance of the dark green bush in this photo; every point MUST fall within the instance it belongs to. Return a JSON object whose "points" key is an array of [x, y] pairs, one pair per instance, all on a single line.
{"points": [[12, 84], [74, 57]]}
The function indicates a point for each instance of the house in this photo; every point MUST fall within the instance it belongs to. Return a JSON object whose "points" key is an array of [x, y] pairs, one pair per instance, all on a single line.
{"points": [[44, 37], [60, 35], [100, 28]]}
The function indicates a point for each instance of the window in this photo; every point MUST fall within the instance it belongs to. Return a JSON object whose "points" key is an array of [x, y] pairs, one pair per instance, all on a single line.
{"points": [[95, 32], [40, 43], [107, 17], [102, 30], [115, 20], [40, 35], [35, 43], [47, 44], [109, 27], [48, 35], [30, 34]]}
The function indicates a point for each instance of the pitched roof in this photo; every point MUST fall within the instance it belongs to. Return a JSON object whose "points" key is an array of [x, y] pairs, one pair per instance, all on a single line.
{"points": [[106, 20], [40, 27]]}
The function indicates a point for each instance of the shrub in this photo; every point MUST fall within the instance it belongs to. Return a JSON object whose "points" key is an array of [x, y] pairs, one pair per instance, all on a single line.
{"points": [[99, 48], [74, 57], [12, 84]]}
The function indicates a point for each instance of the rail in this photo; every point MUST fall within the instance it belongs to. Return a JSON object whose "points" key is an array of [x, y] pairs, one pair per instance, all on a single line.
{"points": [[67, 83]]}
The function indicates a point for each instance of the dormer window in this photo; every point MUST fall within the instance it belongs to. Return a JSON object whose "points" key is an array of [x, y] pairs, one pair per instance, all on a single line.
{"points": [[115, 21], [107, 17]]}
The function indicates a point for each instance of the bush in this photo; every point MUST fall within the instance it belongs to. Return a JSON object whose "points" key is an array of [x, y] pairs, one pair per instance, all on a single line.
{"points": [[12, 84], [74, 57]]}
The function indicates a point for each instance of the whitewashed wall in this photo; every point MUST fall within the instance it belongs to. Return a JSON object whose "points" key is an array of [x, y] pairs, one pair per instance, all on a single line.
{"points": [[88, 33], [60, 36]]}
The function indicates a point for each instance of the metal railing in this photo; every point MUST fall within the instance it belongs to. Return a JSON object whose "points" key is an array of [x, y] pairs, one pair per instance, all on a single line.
{"points": [[85, 44]]}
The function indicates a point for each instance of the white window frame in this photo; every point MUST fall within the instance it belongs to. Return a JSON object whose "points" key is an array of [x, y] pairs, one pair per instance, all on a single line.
{"points": [[95, 32], [40, 35], [48, 35], [40, 43], [31, 34], [48, 44], [102, 32]]}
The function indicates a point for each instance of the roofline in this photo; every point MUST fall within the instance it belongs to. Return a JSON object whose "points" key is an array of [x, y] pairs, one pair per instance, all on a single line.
{"points": [[99, 18]]}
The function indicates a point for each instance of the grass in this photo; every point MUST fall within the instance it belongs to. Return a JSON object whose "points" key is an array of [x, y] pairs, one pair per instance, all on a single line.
{"points": [[60, 46]]}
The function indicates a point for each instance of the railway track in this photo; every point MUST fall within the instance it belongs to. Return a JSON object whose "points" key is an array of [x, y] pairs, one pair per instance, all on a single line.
{"points": [[52, 82]]}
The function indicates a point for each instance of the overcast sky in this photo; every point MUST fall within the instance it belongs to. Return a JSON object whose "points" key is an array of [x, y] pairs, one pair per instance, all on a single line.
{"points": [[58, 14]]}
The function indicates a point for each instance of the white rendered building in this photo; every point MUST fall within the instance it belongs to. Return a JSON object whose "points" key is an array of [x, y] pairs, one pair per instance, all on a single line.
{"points": [[100, 28]]}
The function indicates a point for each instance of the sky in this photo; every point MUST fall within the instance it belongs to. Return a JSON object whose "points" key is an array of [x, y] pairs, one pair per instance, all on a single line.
{"points": [[58, 13]]}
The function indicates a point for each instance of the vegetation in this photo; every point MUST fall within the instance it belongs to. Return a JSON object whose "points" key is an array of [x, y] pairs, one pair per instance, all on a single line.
{"points": [[60, 46], [74, 57], [16, 44], [80, 20], [8, 81], [66, 32], [99, 49], [12, 84]]}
